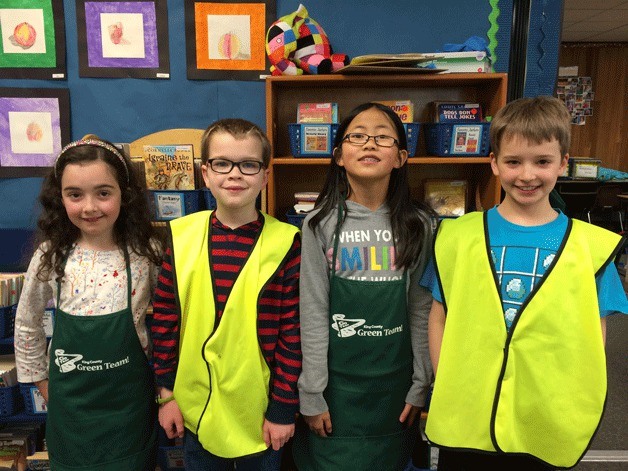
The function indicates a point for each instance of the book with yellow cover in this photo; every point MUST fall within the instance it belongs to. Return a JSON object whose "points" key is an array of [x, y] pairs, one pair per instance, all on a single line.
{"points": [[447, 197], [169, 167]]}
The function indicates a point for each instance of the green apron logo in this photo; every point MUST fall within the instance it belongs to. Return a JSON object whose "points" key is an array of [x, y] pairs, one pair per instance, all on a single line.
{"points": [[74, 361], [66, 362], [346, 327]]}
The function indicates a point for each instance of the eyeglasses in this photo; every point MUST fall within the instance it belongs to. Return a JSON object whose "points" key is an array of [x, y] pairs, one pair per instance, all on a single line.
{"points": [[360, 139], [246, 167]]}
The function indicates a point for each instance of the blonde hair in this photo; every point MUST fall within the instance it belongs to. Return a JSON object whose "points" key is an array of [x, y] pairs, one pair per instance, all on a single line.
{"points": [[538, 120]]}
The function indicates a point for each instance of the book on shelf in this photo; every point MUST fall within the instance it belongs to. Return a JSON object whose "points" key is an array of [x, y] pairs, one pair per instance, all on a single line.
{"points": [[447, 197], [462, 61], [10, 288], [305, 201], [169, 167], [391, 63], [445, 62], [403, 108], [325, 113], [301, 208], [306, 196], [8, 372], [455, 112]]}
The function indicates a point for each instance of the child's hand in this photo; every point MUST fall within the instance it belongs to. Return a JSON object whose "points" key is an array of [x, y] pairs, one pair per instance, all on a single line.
{"points": [[171, 419], [409, 413], [43, 388], [277, 434], [319, 424]]}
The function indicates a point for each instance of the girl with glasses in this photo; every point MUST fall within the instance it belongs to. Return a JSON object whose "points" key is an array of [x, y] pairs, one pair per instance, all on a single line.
{"points": [[366, 367]]}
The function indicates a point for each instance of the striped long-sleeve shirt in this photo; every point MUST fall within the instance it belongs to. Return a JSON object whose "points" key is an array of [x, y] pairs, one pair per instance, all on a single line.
{"points": [[278, 315]]}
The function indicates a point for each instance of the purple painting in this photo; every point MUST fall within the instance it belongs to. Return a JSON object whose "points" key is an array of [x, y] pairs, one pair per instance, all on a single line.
{"points": [[121, 34], [30, 131]]}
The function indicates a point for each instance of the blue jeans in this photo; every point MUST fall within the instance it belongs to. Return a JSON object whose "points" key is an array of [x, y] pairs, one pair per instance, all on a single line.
{"points": [[198, 458]]}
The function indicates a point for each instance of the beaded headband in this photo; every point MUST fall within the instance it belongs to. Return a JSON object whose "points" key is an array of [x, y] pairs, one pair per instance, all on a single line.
{"points": [[97, 143]]}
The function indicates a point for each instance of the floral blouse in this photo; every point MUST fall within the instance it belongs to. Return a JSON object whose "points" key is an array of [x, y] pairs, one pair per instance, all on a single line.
{"points": [[95, 284]]}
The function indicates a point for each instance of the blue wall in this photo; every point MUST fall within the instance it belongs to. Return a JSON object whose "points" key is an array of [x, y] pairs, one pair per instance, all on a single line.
{"points": [[122, 110]]}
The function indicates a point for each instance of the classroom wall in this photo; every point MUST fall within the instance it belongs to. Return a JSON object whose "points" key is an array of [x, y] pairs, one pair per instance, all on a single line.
{"points": [[123, 110], [603, 136]]}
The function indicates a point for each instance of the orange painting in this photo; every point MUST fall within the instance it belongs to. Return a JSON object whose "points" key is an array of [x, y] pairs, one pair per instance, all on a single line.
{"points": [[221, 46]]}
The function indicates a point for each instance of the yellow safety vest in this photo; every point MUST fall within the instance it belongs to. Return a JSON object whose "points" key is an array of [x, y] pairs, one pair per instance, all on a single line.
{"points": [[222, 383], [540, 389]]}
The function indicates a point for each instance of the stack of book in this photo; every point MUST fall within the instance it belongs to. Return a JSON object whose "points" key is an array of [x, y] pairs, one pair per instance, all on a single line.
{"points": [[420, 62], [304, 201], [390, 64]]}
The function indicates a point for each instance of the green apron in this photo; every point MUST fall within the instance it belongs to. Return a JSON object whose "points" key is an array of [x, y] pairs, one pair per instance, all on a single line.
{"points": [[101, 410], [370, 374]]}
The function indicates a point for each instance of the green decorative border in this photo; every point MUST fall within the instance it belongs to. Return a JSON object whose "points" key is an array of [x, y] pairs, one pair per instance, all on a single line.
{"points": [[492, 32]]}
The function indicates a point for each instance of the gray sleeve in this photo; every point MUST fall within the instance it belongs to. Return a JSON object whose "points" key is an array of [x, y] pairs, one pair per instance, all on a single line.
{"points": [[419, 304], [314, 311]]}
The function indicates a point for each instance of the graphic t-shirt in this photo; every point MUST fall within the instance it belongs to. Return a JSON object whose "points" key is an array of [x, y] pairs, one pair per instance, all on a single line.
{"points": [[521, 256]]}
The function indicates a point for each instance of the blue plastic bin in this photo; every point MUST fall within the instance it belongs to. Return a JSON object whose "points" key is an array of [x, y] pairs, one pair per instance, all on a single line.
{"points": [[412, 135], [173, 203], [208, 199], [440, 139], [297, 132], [296, 219], [7, 321], [10, 400], [326, 133], [29, 391]]}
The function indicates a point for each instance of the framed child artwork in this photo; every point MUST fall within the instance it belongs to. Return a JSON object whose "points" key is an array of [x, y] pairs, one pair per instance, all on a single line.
{"points": [[33, 39], [34, 125], [123, 39], [226, 40]]}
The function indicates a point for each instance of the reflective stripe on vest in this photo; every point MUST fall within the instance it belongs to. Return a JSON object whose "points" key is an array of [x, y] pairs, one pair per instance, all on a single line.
{"points": [[541, 389], [223, 380]]}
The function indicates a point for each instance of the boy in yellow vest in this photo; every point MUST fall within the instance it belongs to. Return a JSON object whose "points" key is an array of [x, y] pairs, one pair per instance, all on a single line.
{"points": [[517, 326], [225, 331]]}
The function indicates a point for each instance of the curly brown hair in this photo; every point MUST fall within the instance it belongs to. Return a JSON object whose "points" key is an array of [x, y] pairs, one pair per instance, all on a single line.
{"points": [[132, 229]]}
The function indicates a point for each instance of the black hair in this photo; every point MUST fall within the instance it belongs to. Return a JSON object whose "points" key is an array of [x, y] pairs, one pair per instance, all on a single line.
{"points": [[409, 219]]}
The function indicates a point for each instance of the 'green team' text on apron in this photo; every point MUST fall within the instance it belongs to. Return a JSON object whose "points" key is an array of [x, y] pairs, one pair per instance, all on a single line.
{"points": [[370, 373], [101, 411]]}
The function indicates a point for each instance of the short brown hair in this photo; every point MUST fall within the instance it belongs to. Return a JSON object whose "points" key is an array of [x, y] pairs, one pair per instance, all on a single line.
{"points": [[239, 129], [538, 120]]}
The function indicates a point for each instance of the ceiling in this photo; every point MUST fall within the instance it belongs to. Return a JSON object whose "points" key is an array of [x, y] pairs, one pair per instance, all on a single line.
{"points": [[595, 21]]}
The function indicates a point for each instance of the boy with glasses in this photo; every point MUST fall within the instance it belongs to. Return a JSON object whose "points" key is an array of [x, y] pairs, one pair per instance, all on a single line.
{"points": [[226, 333]]}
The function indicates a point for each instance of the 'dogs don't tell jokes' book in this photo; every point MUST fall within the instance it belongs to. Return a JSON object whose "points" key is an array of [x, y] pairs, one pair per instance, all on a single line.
{"points": [[169, 167]]}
